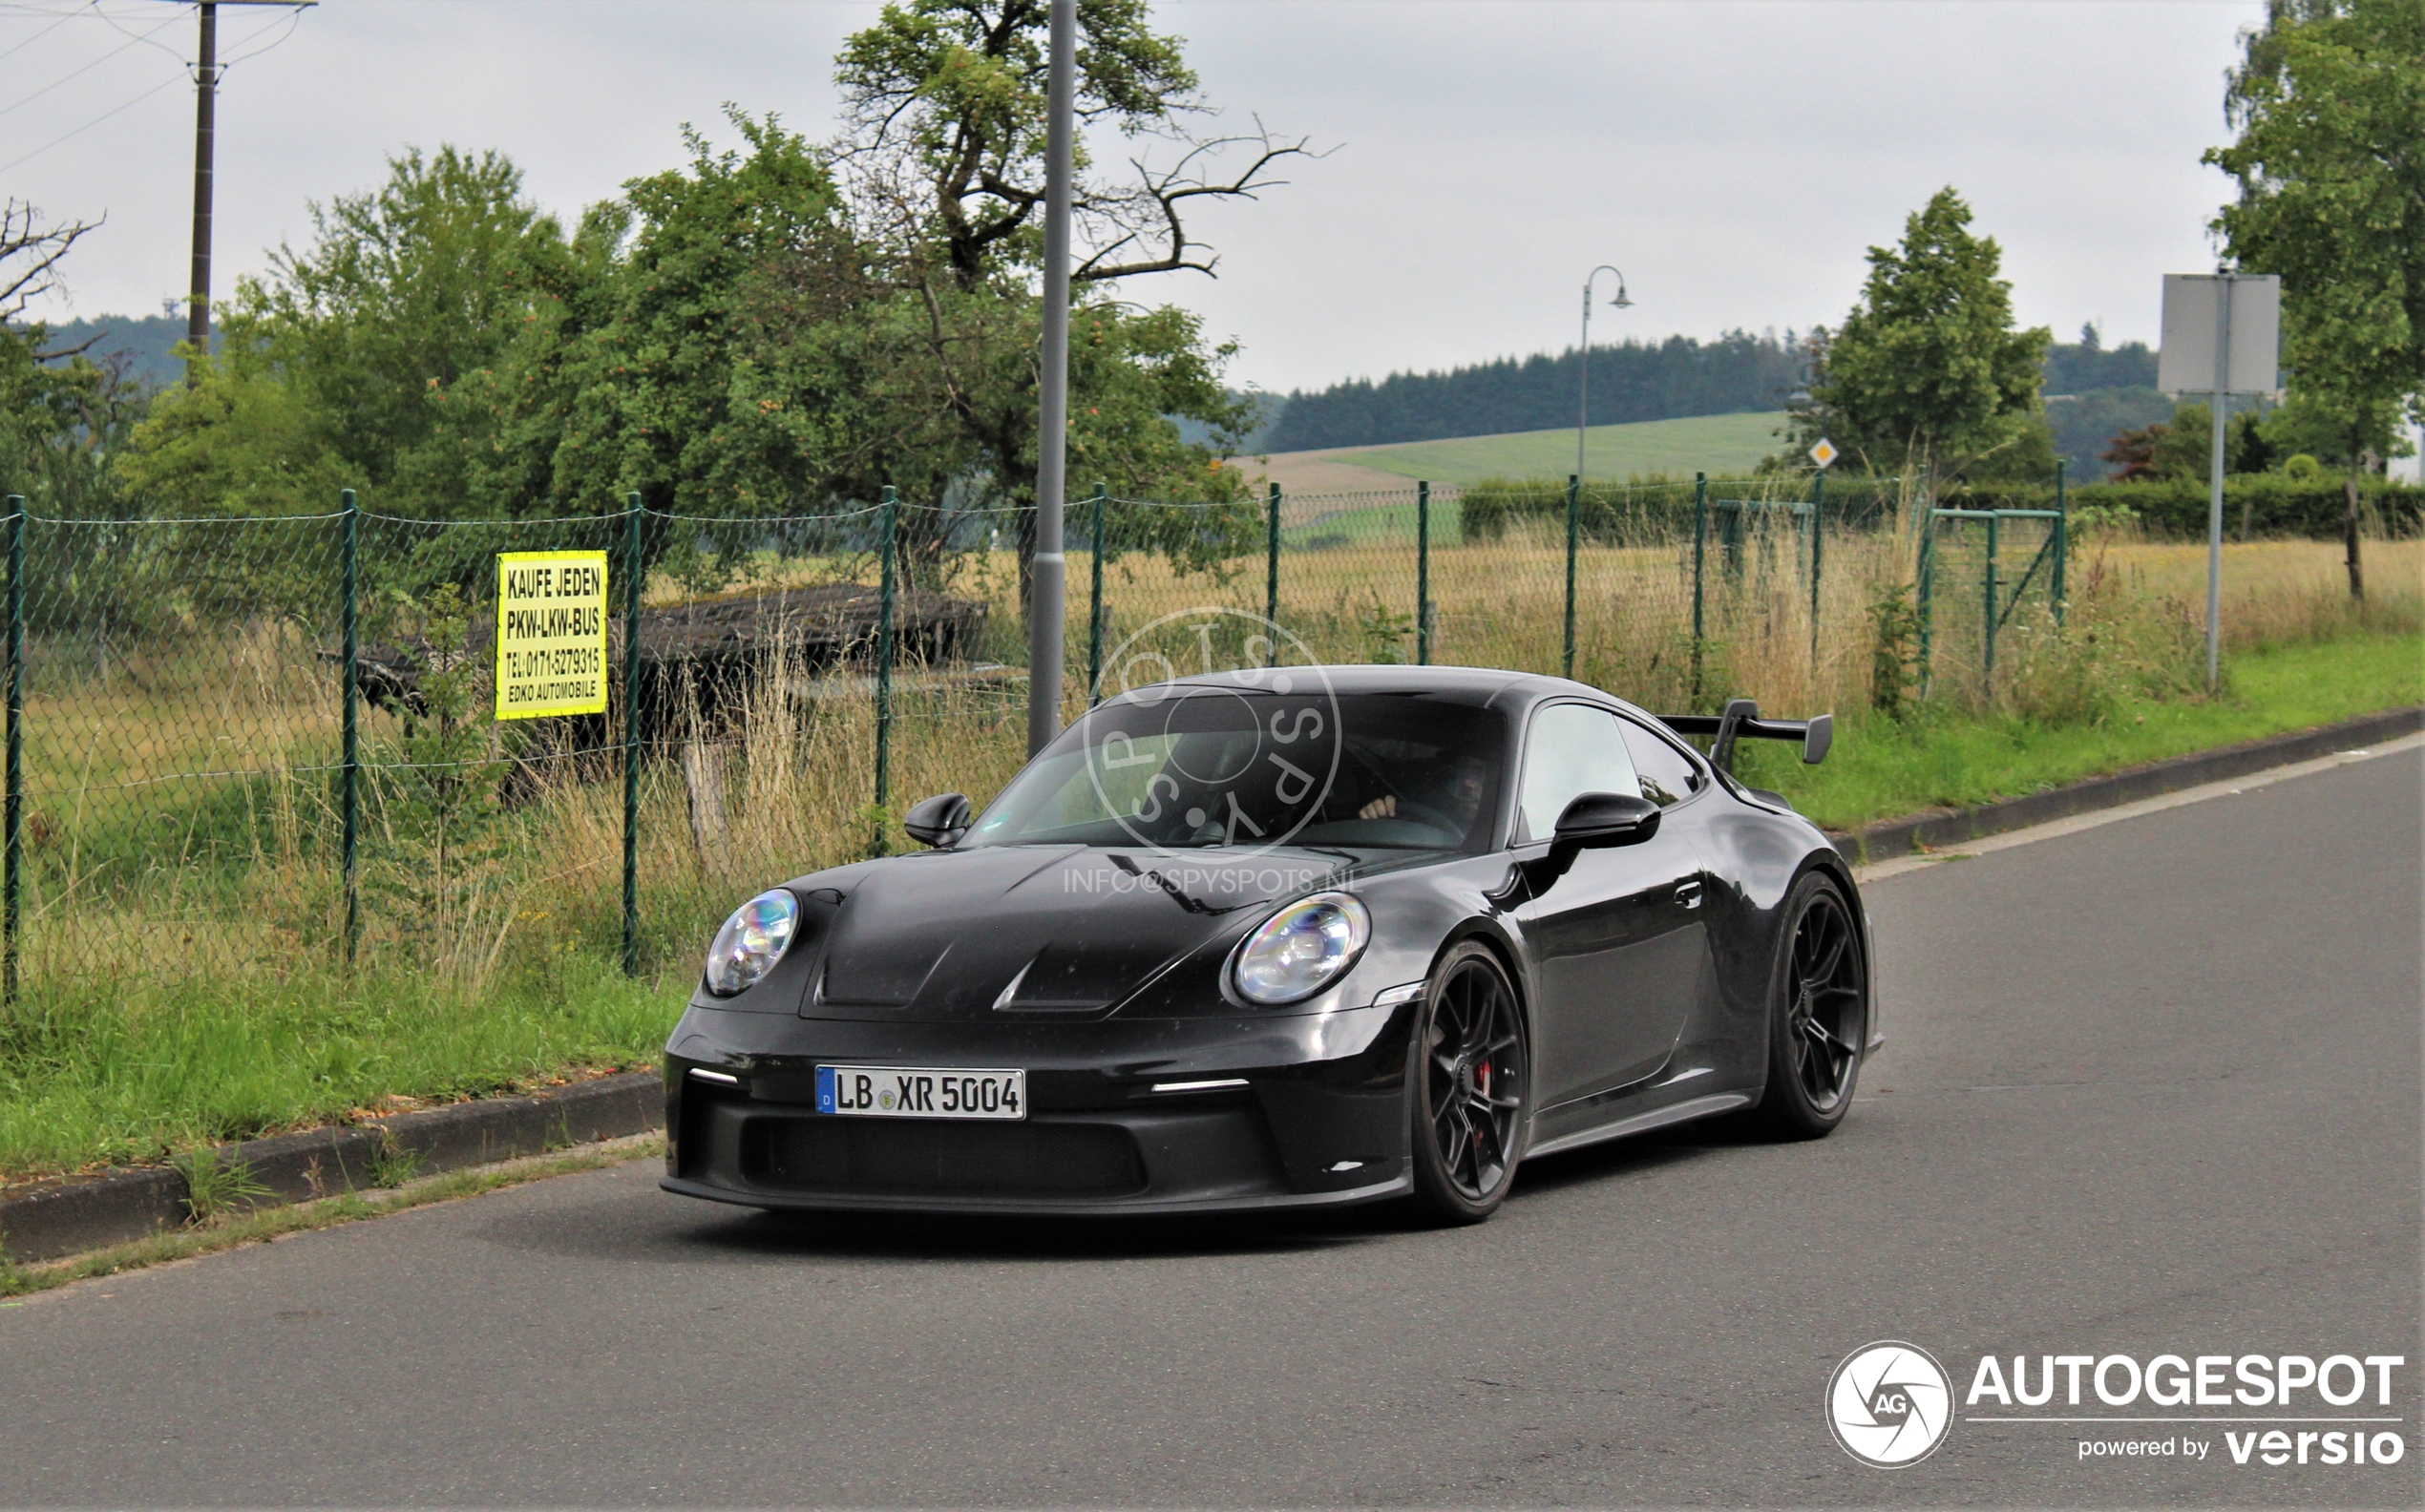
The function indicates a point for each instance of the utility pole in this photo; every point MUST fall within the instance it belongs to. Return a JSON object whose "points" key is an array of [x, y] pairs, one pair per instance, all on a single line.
{"points": [[205, 132], [1045, 605], [206, 75], [1583, 360]]}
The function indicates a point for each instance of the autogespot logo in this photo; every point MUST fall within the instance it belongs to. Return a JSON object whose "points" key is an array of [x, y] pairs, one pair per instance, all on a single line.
{"points": [[1889, 1404]]}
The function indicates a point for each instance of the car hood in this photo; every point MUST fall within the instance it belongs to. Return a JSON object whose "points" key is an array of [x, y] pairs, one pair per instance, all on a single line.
{"points": [[1045, 930]]}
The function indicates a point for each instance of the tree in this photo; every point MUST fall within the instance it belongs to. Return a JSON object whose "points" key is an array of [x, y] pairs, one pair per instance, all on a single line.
{"points": [[943, 159], [340, 362], [2133, 453], [240, 439], [944, 141], [2329, 101], [722, 341], [644, 381], [1927, 372], [774, 329], [63, 417]]}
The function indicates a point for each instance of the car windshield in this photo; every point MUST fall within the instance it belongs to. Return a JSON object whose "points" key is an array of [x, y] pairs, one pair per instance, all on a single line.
{"points": [[1246, 767]]}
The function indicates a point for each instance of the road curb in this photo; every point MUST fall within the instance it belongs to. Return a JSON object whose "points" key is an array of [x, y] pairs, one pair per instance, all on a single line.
{"points": [[55, 1218], [1939, 828]]}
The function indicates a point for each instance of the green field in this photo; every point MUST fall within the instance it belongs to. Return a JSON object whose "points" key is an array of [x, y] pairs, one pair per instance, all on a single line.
{"points": [[1722, 446]]}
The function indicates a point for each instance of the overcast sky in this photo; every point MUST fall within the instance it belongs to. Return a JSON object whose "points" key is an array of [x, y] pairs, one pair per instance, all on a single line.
{"points": [[1733, 159]]}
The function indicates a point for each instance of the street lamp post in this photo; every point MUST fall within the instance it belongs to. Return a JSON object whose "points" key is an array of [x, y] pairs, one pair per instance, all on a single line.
{"points": [[1046, 576], [1583, 360]]}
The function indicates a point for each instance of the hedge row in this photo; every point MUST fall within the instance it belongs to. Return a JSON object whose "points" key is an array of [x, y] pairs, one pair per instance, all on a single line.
{"points": [[2266, 503], [2271, 503]]}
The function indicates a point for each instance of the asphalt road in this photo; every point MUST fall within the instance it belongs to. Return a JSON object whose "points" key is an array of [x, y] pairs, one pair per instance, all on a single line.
{"points": [[2152, 1088]]}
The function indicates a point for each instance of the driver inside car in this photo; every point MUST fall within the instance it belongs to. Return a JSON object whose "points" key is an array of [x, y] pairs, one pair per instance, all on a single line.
{"points": [[1454, 794]]}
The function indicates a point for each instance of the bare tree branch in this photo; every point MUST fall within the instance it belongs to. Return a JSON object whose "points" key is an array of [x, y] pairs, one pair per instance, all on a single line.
{"points": [[1149, 215], [30, 256]]}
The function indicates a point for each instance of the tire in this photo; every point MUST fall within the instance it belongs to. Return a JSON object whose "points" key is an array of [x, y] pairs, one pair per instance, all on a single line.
{"points": [[1818, 1014], [1472, 1077]]}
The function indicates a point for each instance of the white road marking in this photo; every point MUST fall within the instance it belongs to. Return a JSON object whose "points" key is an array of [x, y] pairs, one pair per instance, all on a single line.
{"points": [[1988, 845]]}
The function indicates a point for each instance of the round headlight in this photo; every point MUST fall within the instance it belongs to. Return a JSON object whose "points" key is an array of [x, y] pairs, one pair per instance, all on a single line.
{"points": [[1301, 949], [751, 941]]}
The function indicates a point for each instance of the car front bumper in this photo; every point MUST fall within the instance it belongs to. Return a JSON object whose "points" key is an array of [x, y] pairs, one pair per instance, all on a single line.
{"points": [[1320, 1120]]}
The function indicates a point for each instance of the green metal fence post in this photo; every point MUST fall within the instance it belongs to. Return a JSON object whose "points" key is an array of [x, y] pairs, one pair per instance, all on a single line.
{"points": [[1573, 532], [2062, 539], [1700, 539], [351, 671], [1094, 608], [1271, 570], [632, 573], [1422, 574], [1987, 660], [1818, 534], [11, 905], [884, 668]]}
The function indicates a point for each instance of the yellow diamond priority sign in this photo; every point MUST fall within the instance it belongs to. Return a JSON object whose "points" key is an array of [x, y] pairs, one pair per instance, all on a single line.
{"points": [[551, 634], [1824, 452]]}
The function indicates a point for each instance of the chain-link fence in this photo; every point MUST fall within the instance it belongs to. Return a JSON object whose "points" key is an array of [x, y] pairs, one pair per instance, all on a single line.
{"points": [[1981, 573], [244, 746]]}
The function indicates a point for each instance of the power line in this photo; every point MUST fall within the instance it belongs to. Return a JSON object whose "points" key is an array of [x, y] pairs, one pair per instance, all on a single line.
{"points": [[173, 78], [87, 68], [39, 36], [138, 99], [111, 22], [294, 18]]}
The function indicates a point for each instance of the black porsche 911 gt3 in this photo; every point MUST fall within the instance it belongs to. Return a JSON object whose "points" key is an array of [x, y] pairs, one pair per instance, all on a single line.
{"points": [[1285, 937]]}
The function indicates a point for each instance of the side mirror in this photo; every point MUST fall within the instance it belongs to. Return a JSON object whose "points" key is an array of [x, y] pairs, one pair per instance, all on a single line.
{"points": [[1598, 820], [1816, 740], [937, 821]]}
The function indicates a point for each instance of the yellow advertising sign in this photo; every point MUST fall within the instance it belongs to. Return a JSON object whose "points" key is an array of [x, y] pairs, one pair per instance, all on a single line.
{"points": [[551, 634]]}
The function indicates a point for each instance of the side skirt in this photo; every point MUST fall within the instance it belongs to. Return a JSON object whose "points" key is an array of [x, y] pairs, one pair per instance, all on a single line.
{"points": [[1643, 1122]]}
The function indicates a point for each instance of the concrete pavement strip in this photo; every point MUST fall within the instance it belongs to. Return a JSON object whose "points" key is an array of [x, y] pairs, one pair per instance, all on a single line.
{"points": [[51, 1219]]}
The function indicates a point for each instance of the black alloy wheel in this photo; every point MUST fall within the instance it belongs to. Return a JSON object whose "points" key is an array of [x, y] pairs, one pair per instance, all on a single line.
{"points": [[1473, 1079], [1820, 1015]]}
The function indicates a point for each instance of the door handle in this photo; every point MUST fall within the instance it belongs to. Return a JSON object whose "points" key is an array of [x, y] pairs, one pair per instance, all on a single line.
{"points": [[1688, 893]]}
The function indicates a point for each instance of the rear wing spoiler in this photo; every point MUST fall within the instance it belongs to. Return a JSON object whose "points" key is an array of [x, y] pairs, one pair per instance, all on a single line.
{"points": [[1742, 721]]}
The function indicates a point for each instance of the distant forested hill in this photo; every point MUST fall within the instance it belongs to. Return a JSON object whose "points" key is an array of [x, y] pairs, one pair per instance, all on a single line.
{"points": [[1630, 381], [145, 341], [2094, 394], [2087, 366]]}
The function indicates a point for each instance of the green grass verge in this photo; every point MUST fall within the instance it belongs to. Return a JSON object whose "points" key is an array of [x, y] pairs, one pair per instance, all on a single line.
{"points": [[1722, 446], [1882, 769], [137, 1069]]}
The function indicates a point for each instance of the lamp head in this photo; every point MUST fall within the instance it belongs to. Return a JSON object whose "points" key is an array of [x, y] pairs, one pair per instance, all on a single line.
{"points": [[1622, 301]]}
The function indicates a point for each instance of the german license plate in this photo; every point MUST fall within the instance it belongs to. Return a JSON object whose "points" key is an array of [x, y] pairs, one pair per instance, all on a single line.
{"points": [[931, 1092]]}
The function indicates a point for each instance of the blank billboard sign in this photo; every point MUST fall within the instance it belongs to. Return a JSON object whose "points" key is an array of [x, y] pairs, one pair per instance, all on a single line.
{"points": [[2193, 324]]}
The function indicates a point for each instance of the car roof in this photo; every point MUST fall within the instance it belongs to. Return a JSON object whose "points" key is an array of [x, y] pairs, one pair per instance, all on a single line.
{"points": [[1459, 684]]}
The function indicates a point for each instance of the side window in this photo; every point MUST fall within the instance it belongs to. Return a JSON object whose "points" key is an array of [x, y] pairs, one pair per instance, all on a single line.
{"points": [[1668, 775], [1573, 749]]}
